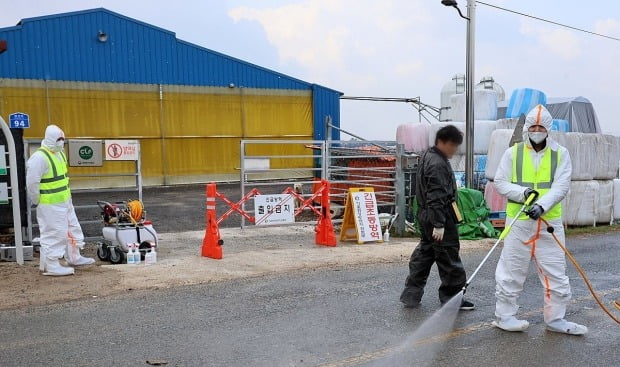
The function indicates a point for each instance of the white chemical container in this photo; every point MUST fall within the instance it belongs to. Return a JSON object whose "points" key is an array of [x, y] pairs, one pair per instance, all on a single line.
{"points": [[121, 236]]}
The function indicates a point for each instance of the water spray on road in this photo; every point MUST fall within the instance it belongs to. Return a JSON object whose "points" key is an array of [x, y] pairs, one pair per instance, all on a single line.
{"points": [[421, 347]]}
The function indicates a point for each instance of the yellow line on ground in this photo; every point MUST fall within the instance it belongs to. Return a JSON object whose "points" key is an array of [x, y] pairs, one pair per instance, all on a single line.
{"points": [[469, 329]]}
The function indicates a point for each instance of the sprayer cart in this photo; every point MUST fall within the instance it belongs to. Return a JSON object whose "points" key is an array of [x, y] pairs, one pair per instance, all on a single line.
{"points": [[124, 223]]}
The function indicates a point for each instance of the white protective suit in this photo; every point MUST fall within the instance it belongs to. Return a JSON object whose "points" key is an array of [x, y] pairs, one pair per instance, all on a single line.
{"points": [[548, 257], [60, 231]]}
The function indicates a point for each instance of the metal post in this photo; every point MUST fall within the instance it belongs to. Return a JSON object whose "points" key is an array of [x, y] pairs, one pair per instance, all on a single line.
{"points": [[244, 127], [162, 128], [139, 172], [242, 179], [399, 187], [47, 102], [328, 141], [469, 94]]}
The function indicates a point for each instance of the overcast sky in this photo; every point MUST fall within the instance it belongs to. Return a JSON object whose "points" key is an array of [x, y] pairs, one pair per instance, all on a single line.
{"points": [[392, 48]]}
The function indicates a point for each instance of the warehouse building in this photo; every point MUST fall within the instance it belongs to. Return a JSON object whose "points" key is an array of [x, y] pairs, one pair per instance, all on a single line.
{"points": [[101, 75]]}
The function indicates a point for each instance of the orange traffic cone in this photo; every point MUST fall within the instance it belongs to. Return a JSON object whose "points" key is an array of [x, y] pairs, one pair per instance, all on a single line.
{"points": [[325, 234], [212, 243]]}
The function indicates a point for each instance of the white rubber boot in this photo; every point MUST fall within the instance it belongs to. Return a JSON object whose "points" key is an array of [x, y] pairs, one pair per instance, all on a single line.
{"points": [[566, 327], [511, 324], [76, 259], [52, 267]]}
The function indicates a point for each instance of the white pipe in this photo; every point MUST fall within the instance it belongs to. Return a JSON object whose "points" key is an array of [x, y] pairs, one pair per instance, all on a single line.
{"points": [[17, 219]]}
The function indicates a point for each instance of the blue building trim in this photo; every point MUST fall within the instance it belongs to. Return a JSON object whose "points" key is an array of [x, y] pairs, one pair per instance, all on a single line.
{"points": [[325, 102]]}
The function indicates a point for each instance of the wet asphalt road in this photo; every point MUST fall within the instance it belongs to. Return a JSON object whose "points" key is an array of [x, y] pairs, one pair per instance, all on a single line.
{"points": [[330, 317]]}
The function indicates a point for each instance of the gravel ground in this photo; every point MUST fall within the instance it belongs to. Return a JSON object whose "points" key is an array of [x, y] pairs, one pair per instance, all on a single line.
{"points": [[249, 253]]}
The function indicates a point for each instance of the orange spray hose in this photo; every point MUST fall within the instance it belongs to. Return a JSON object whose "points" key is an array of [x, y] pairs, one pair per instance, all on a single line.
{"points": [[583, 274]]}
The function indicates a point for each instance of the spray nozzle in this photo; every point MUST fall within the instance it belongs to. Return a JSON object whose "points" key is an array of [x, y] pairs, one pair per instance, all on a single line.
{"points": [[531, 198]]}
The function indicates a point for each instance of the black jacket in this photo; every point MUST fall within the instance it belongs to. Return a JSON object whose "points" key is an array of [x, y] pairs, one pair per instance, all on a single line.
{"points": [[435, 189]]}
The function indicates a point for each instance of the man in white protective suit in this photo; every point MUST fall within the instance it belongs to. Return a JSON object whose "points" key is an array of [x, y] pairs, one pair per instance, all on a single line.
{"points": [[537, 165], [48, 186]]}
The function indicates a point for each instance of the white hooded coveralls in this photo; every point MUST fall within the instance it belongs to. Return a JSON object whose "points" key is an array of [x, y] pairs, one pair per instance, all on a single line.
{"points": [[548, 257], [58, 224]]}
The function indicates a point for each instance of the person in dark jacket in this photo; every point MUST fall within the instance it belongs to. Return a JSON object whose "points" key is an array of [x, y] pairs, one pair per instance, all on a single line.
{"points": [[437, 215]]}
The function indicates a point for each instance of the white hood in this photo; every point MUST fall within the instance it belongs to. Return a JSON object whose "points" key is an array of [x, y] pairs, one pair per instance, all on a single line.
{"points": [[52, 133], [539, 115]]}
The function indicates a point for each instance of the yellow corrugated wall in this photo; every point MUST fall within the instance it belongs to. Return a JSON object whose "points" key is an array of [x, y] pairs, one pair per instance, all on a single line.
{"points": [[201, 126]]}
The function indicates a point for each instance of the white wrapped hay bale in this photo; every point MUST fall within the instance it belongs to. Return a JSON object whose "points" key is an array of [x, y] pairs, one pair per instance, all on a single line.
{"points": [[497, 146], [609, 153], [482, 135], [580, 205], [594, 156], [582, 154], [413, 136], [605, 201], [589, 202], [458, 163], [616, 194], [508, 123], [485, 105]]}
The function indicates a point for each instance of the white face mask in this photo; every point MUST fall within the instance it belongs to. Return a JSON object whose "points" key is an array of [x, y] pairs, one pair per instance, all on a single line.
{"points": [[537, 137], [59, 146]]}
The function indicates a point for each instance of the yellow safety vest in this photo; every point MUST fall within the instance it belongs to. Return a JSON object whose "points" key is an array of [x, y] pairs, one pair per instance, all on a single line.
{"points": [[54, 187], [525, 174]]}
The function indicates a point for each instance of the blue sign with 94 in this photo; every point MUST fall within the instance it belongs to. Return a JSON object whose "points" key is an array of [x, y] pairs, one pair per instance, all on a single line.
{"points": [[19, 120]]}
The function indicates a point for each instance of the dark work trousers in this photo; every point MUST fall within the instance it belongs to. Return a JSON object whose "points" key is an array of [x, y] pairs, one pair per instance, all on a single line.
{"points": [[445, 255]]}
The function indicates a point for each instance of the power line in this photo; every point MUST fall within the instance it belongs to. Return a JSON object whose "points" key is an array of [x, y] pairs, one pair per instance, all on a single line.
{"points": [[549, 21]]}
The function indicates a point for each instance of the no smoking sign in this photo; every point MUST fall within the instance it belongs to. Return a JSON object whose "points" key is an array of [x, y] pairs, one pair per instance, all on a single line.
{"points": [[122, 150], [115, 151]]}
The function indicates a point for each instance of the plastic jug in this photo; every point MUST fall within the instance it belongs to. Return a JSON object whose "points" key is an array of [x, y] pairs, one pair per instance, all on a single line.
{"points": [[137, 256], [131, 260], [150, 258]]}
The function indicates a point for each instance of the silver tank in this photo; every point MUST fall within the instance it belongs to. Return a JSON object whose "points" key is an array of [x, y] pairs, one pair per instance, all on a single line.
{"points": [[455, 86]]}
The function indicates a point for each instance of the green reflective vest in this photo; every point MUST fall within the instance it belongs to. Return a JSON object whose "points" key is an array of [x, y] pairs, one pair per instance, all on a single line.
{"points": [[525, 174], [54, 187]]}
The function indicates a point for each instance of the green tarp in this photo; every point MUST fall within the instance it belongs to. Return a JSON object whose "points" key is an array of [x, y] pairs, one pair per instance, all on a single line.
{"points": [[475, 214]]}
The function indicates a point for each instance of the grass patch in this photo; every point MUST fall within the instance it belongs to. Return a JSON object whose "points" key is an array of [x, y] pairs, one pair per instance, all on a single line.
{"points": [[577, 231]]}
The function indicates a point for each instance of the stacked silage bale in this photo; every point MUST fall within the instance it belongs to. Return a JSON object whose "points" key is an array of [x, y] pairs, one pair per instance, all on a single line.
{"points": [[595, 165]]}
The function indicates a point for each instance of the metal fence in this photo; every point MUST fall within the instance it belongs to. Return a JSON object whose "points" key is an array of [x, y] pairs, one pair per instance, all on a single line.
{"points": [[382, 166]]}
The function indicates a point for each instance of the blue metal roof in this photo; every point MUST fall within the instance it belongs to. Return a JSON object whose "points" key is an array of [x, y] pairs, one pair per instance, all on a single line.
{"points": [[66, 47]]}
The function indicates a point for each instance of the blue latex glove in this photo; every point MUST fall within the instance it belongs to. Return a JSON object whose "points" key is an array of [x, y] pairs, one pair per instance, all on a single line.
{"points": [[535, 212]]}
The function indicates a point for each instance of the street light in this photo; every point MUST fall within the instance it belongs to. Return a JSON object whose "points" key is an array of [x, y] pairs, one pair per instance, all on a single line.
{"points": [[469, 87]]}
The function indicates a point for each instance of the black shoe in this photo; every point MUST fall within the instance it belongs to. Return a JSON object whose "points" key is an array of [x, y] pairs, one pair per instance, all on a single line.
{"points": [[466, 306], [410, 303]]}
